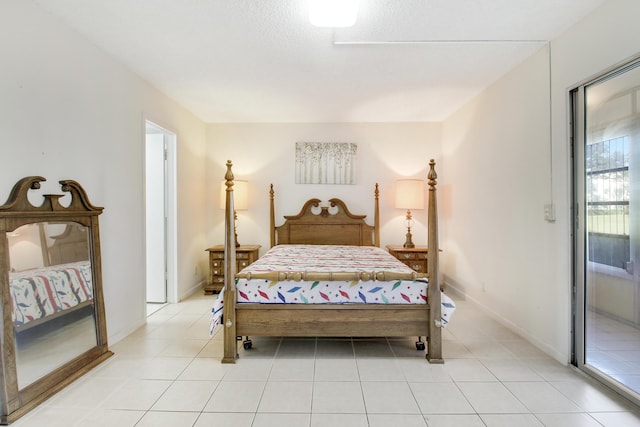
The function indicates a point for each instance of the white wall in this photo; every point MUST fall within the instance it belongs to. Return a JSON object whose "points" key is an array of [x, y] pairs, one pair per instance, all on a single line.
{"points": [[499, 171], [69, 111], [265, 153]]}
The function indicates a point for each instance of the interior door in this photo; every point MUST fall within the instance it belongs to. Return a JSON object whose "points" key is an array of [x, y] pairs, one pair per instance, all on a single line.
{"points": [[156, 214]]}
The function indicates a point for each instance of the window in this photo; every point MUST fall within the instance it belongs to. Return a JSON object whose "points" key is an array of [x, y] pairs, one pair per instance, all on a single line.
{"points": [[607, 168]]}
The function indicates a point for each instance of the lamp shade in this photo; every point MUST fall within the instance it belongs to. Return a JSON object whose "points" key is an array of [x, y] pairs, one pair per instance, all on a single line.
{"points": [[240, 195], [410, 194]]}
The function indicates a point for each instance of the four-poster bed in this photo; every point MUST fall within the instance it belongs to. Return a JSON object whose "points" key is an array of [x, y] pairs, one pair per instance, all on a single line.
{"points": [[325, 275]]}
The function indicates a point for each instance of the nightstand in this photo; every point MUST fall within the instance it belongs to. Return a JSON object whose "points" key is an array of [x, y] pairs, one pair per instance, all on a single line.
{"points": [[245, 255], [416, 258]]}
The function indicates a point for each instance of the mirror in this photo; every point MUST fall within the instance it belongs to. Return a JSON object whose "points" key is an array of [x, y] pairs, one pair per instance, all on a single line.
{"points": [[51, 295]]}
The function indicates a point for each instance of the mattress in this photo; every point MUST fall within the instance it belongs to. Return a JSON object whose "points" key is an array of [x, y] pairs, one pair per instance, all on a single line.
{"points": [[303, 274], [42, 292]]}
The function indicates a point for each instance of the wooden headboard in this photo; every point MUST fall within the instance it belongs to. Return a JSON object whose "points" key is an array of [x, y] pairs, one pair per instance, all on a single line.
{"points": [[331, 224]]}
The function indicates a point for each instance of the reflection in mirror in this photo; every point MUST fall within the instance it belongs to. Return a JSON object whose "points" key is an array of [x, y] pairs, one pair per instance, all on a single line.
{"points": [[51, 290]]}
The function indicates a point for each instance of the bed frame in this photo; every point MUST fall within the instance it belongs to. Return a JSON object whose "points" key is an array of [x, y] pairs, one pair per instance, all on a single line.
{"points": [[333, 224]]}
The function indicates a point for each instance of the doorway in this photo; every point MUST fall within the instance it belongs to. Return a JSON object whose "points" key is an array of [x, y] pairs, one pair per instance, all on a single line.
{"points": [[606, 113], [159, 216]]}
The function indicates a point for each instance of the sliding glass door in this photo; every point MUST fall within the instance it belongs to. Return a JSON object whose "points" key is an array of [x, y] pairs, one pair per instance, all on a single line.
{"points": [[607, 228]]}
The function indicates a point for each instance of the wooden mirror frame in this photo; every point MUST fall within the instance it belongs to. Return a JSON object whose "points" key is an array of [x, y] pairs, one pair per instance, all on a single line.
{"points": [[16, 212]]}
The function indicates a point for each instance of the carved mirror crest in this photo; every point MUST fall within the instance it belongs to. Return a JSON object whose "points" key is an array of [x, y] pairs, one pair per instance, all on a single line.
{"points": [[53, 320]]}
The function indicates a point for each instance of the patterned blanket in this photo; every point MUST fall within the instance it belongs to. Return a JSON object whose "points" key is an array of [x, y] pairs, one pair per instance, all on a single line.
{"points": [[42, 292], [321, 258]]}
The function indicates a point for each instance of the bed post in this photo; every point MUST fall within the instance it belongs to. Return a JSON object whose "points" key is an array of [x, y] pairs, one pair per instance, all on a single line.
{"points": [[229, 297], [376, 217], [272, 218], [434, 354]]}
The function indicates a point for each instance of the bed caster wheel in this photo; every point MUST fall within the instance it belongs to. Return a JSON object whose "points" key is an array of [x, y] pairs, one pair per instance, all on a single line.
{"points": [[420, 344], [247, 344]]}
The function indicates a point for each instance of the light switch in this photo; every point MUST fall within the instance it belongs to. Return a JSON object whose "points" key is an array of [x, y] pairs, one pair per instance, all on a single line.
{"points": [[549, 212]]}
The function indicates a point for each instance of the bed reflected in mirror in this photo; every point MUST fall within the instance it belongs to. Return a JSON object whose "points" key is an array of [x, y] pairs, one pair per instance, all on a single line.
{"points": [[53, 326], [51, 296]]}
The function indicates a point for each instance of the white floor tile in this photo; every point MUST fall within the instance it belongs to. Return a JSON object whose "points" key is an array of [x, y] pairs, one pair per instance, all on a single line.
{"points": [[337, 398], [184, 348], [279, 420], [186, 396], [454, 421], [119, 367], [87, 393], [443, 398], [249, 370], [204, 368], [568, 420], [341, 369], [511, 370], [236, 396], [389, 398], [541, 397], [287, 396], [52, 417], [292, 370], [592, 397], [136, 394], [162, 368], [491, 398], [213, 349], [419, 370], [617, 419], [339, 420], [168, 419], [110, 418], [379, 369], [225, 419], [468, 370], [387, 420], [511, 420]]}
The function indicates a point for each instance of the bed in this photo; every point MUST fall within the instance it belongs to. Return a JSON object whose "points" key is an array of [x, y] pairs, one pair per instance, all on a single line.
{"points": [[40, 294], [355, 307]]}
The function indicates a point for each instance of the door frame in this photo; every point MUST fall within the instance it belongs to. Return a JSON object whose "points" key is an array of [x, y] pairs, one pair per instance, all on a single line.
{"points": [[577, 139]]}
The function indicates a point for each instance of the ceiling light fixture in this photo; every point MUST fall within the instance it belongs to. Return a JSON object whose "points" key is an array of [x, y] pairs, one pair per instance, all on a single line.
{"points": [[333, 13]]}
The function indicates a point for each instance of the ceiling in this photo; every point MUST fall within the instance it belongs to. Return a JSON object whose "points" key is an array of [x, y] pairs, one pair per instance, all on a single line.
{"points": [[261, 60]]}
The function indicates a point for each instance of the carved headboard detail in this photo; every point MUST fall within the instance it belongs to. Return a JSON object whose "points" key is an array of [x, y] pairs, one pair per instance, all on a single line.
{"points": [[322, 224]]}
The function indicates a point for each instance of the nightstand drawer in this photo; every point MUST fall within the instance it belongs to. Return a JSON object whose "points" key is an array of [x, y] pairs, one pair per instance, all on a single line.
{"points": [[245, 255], [420, 267], [415, 258], [411, 255]]}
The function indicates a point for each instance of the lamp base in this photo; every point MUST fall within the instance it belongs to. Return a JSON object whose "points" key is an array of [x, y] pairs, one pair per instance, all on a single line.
{"points": [[408, 243]]}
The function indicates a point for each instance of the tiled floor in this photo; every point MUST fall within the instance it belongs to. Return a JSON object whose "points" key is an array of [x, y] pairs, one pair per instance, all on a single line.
{"points": [[168, 373], [613, 347]]}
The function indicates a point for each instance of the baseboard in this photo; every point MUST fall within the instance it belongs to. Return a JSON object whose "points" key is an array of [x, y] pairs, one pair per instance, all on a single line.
{"points": [[456, 292], [198, 287]]}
